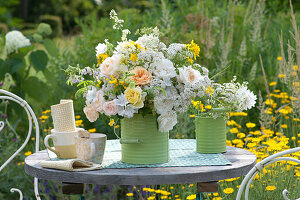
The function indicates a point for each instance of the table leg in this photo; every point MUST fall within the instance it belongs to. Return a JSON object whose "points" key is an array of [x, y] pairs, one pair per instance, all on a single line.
{"points": [[206, 187]]}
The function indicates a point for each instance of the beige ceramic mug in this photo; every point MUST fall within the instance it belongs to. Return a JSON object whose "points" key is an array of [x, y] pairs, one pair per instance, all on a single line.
{"points": [[91, 149], [64, 143]]}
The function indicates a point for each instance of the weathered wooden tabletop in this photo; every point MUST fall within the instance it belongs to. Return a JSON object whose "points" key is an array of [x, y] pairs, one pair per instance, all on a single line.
{"points": [[242, 161]]}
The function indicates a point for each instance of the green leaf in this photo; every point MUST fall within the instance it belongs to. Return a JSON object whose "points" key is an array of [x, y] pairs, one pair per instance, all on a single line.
{"points": [[39, 60], [51, 47], [36, 89], [4, 68], [14, 65]]}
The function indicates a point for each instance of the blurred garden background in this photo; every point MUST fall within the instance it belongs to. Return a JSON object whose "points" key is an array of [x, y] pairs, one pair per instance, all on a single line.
{"points": [[259, 42]]}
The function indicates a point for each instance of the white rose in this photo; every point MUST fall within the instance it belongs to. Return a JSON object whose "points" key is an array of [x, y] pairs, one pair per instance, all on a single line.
{"points": [[100, 49], [110, 65], [188, 75]]}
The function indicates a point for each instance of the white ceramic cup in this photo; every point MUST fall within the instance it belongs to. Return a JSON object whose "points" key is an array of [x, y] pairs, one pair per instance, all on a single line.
{"points": [[64, 143], [91, 149]]}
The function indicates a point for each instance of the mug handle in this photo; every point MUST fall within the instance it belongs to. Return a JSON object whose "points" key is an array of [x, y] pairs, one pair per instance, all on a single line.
{"points": [[93, 149], [47, 144]]}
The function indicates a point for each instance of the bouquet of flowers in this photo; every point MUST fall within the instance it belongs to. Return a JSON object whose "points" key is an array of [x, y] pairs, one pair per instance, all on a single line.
{"points": [[232, 96], [143, 76]]}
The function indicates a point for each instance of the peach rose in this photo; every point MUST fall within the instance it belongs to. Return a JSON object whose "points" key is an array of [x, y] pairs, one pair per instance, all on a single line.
{"points": [[142, 76], [91, 113], [110, 108]]}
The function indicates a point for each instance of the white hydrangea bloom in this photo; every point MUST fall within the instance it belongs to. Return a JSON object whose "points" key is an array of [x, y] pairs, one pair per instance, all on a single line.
{"points": [[15, 40], [167, 121], [245, 98]]}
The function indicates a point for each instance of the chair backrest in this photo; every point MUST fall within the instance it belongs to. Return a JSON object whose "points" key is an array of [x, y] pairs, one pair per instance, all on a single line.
{"points": [[245, 185], [5, 95]]}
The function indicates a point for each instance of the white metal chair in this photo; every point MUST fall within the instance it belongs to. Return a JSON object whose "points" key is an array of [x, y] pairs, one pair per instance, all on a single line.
{"points": [[31, 117], [260, 166]]}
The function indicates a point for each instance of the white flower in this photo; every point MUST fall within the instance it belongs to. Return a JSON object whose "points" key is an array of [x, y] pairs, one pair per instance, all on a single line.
{"points": [[149, 41], [167, 121], [189, 76], [164, 102], [91, 95], [127, 111], [99, 101], [174, 48], [164, 69], [246, 98], [110, 65], [121, 100], [100, 49], [15, 40]]}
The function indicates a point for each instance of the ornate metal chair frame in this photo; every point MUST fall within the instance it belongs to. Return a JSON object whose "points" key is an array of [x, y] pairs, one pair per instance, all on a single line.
{"points": [[31, 117], [260, 166]]}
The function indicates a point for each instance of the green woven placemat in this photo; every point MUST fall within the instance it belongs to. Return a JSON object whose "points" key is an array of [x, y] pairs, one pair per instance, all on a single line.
{"points": [[182, 154]]}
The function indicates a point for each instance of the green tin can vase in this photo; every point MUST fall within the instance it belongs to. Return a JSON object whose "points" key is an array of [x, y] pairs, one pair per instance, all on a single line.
{"points": [[141, 141], [210, 134]]}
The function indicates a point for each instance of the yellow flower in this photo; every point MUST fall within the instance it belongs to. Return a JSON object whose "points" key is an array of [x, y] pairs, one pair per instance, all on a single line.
{"points": [[295, 67], [272, 83], [27, 153], [111, 122], [46, 111], [171, 188], [77, 117], [234, 130], [283, 126], [129, 194], [241, 135], [279, 58], [93, 130], [191, 197], [293, 138], [281, 75], [209, 91], [250, 125], [101, 58], [134, 96], [270, 188], [190, 60], [192, 116], [117, 126], [228, 190], [133, 57], [217, 198], [208, 107], [194, 48]]}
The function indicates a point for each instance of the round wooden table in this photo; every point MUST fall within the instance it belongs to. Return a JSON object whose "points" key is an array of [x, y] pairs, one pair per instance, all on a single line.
{"points": [[242, 161]]}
